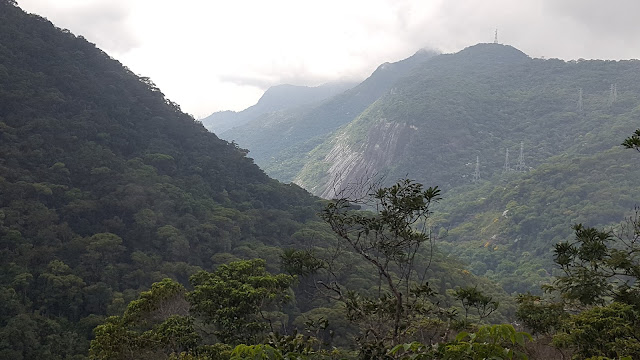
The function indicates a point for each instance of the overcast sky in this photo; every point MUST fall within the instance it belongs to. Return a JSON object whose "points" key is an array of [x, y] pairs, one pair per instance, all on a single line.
{"points": [[210, 55]]}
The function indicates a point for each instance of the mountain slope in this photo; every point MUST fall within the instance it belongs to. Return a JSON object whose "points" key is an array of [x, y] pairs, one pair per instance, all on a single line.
{"points": [[106, 187], [278, 141], [276, 98], [477, 103]]}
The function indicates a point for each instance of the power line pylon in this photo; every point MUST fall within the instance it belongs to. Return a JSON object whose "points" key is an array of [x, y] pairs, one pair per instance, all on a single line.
{"points": [[476, 173], [507, 168], [580, 105], [611, 95], [521, 166]]}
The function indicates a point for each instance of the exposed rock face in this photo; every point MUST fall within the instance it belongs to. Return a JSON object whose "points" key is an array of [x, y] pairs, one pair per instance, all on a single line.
{"points": [[351, 163]]}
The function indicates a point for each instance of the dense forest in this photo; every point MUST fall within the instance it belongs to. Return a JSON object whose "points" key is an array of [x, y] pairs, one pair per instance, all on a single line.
{"points": [[106, 188], [543, 134], [128, 231]]}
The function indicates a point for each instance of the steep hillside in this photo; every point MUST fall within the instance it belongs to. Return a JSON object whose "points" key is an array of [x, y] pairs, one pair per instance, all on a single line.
{"points": [[480, 102], [279, 141], [477, 104], [106, 187], [276, 98], [506, 227]]}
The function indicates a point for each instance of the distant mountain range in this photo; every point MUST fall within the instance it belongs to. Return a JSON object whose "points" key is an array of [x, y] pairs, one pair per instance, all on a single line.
{"points": [[442, 115], [276, 98], [278, 139]]}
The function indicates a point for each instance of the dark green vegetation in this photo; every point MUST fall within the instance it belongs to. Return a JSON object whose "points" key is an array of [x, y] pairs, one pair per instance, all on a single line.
{"points": [[106, 187], [592, 308], [240, 304], [276, 98], [124, 224]]}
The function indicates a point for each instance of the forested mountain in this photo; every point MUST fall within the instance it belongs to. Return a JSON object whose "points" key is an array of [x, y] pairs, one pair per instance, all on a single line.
{"points": [[278, 141], [107, 187], [479, 103], [276, 98], [476, 105], [455, 111]]}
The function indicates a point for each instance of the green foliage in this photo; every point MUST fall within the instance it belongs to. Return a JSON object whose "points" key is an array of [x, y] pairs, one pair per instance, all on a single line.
{"points": [[300, 262], [107, 187], [608, 331], [388, 241], [633, 141], [488, 342], [236, 296], [495, 341], [153, 326], [599, 266], [540, 316], [472, 298]]}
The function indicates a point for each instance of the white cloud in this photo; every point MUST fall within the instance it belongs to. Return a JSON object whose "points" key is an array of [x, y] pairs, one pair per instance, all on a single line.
{"points": [[215, 55]]}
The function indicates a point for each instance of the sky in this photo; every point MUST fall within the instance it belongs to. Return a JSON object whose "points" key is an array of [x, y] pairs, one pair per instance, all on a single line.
{"points": [[213, 55]]}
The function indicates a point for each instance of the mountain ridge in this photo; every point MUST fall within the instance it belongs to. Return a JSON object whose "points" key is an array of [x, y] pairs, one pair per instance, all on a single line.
{"points": [[275, 98], [282, 133]]}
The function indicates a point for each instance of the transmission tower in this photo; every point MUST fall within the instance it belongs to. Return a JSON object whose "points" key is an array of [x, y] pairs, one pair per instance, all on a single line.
{"points": [[521, 166], [580, 100], [495, 37], [615, 92], [611, 95], [476, 173], [506, 162]]}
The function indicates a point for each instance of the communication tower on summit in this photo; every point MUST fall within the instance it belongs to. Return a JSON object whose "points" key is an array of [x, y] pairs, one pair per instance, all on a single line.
{"points": [[495, 37], [476, 173]]}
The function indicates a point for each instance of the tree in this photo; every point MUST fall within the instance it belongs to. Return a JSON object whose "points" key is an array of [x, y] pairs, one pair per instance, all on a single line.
{"points": [[388, 240], [157, 323], [488, 342], [633, 141], [600, 285], [236, 297], [601, 266], [472, 298], [540, 316], [610, 331]]}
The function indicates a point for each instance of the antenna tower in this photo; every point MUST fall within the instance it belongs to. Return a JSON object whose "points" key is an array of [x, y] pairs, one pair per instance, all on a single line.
{"points": [[580, 100], [476, 173], [521, 166], [495, 37], [615, 92], [506, 162]]}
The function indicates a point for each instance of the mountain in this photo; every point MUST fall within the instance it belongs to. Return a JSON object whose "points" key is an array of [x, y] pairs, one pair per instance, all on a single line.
{"points": [[107, 187], [561, 121], [276, 98], [278, 141], [477, 103]]}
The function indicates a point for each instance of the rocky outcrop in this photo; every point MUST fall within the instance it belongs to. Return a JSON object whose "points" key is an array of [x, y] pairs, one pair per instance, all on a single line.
{"points": [[351, 162]]}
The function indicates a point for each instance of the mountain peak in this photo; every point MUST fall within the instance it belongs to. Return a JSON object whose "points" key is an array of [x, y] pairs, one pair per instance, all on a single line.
{"points": [[493, 52]]}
